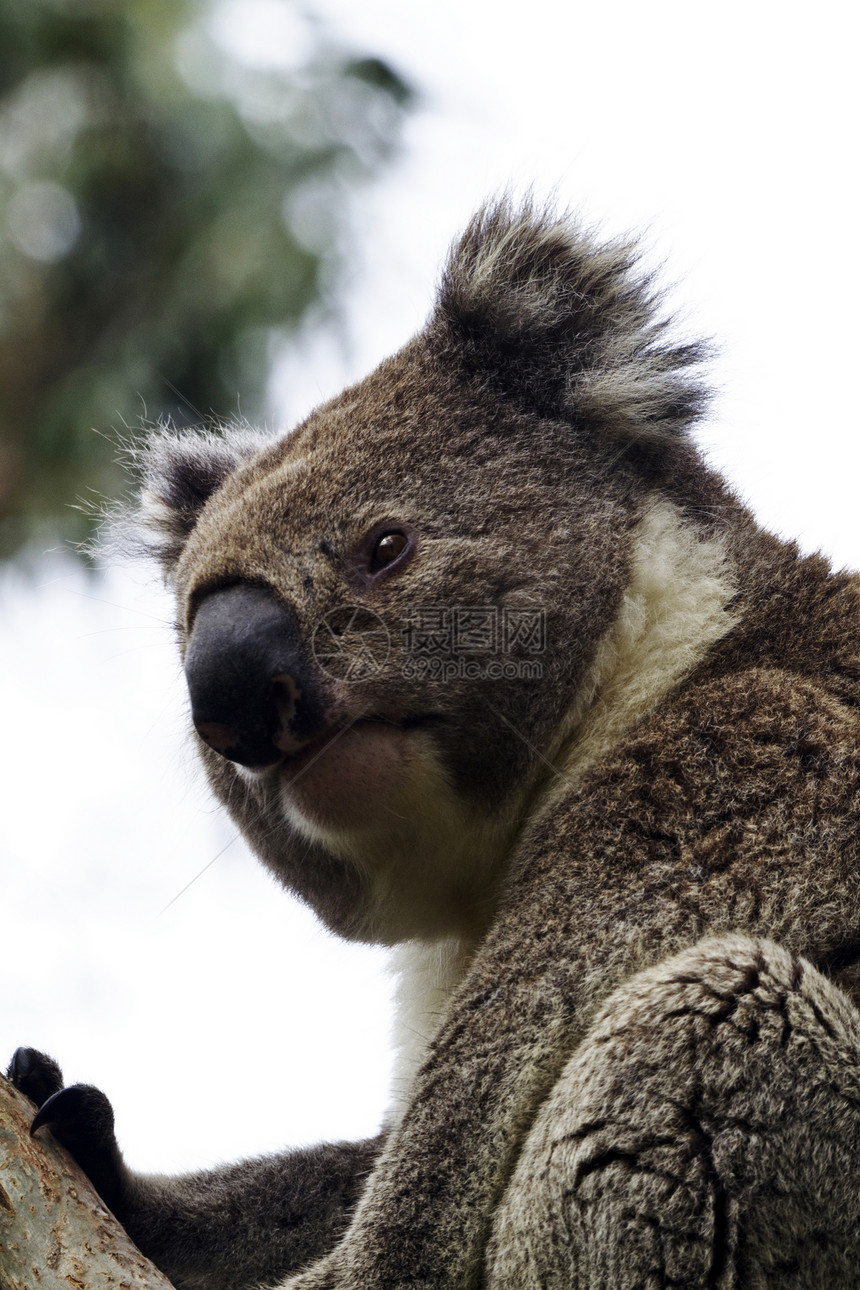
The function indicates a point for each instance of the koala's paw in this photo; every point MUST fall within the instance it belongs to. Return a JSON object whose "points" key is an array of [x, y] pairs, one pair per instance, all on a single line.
{"points": [[80, 1117], [35, 1075]]}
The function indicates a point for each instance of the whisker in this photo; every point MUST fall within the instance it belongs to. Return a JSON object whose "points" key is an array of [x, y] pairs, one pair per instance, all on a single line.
{"points": [[128, 609]]}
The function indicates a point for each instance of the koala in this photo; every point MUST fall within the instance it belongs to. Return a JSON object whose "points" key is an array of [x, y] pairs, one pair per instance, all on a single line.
{"points": [[489, 666]]}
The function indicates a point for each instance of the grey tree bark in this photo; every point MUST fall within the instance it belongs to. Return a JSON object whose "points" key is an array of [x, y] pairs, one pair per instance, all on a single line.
{"points": [[55, 1232]]}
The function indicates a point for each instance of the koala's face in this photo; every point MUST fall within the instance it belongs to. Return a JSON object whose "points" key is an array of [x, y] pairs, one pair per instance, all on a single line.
{"points": [[387, 617], [383, 617]]}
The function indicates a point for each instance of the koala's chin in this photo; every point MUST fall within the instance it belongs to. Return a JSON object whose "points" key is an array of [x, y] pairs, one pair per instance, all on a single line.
{"points": [[348, 782], [377, 796]]}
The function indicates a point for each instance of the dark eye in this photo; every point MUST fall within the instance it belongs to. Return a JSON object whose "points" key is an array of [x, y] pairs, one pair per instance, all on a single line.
{"points": [[388, 547]]}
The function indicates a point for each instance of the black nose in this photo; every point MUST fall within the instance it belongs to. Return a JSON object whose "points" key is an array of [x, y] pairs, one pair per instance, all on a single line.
{"points": [[253, 696]]}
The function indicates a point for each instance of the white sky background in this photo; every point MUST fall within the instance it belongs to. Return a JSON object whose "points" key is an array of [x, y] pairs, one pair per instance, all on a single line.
{"points": [[230, 1023]]}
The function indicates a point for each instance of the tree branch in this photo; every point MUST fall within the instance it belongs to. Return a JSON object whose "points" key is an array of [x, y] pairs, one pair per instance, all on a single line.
{"points": [[55, 1233]]}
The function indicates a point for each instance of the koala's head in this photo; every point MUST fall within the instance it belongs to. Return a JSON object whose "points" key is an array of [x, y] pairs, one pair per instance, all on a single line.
{"points": [[387, 616]]}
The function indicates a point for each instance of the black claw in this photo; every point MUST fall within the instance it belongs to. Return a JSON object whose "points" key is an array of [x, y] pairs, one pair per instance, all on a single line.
{"points": [[79, 1115], [45, 1114], [81, 1118], [34, 1074]]}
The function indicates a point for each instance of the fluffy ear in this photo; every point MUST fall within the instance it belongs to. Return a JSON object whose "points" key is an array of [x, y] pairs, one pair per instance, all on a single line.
{"points": [[550, 316], [179, 471]]}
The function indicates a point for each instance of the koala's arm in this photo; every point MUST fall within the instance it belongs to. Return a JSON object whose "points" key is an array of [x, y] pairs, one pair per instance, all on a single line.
{"points": [[239, 1226], [737, 806], [247, 1224]]}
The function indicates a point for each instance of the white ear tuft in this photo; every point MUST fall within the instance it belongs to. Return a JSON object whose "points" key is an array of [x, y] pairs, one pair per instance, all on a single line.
{"points": [[179, 471], [567, 325]]}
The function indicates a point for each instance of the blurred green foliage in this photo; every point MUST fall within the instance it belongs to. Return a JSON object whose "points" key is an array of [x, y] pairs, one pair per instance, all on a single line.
{"points": [[174, 195]]}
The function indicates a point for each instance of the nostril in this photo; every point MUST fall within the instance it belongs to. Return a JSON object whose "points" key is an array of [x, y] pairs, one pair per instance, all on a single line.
{"points": [[285, 701], [251, 724], [259, 738], [222, 739], [284, 696]]}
